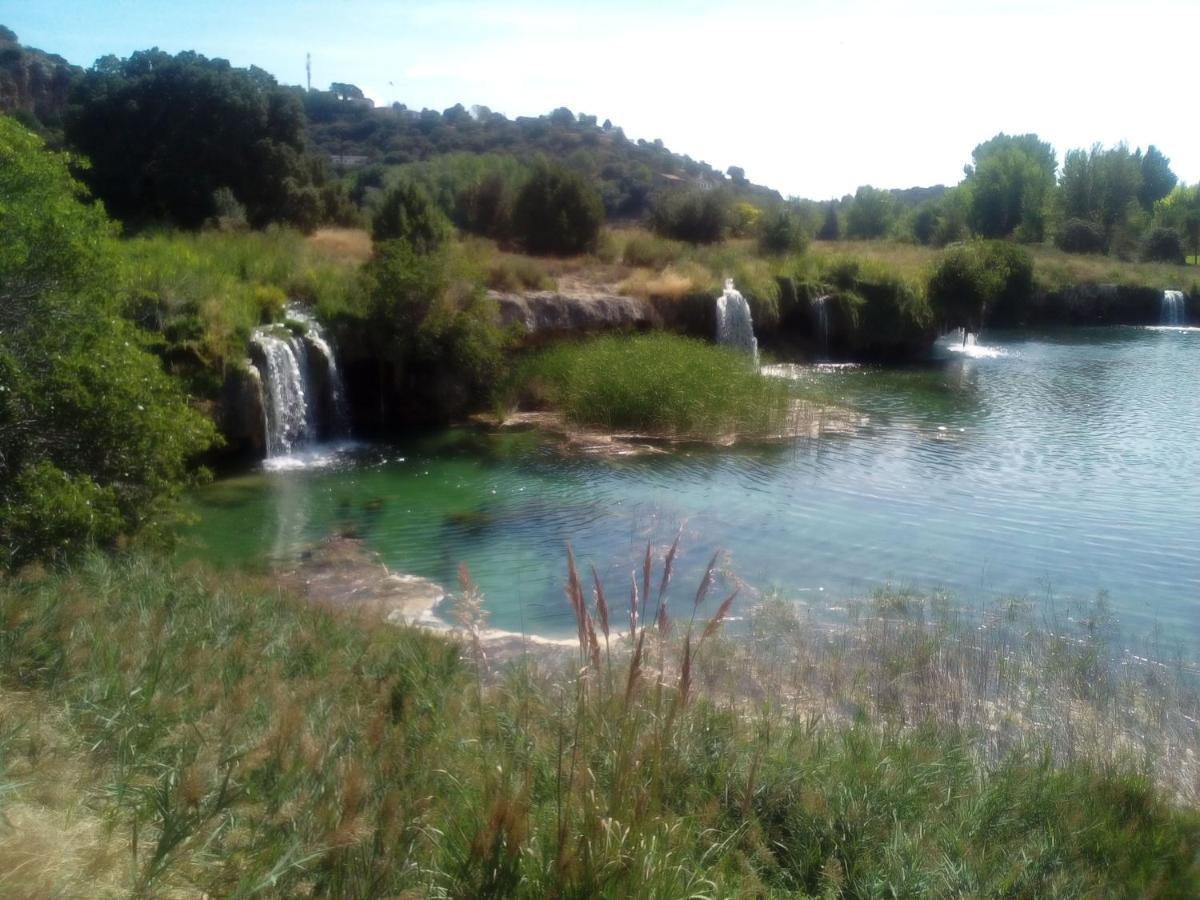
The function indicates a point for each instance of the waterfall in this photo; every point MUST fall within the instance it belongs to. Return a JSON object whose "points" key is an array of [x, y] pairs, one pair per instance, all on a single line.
{"points": [[822, 312], [304, 397], [735, 328], [1173, 310]]}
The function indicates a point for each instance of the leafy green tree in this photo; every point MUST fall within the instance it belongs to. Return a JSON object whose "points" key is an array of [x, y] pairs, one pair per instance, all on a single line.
{"points": [[557, 211], [696, 215], [1157, 178], [831, 228], [972, 280], [871, 213], [1102, 186], [407, 214], [164, 133], [95, 439], [1180, 210], [1008, 184], [1163, 245], [781, 232]]}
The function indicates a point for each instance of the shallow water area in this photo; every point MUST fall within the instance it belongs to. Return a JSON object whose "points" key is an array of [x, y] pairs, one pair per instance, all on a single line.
{"points": [[1062, 465]]}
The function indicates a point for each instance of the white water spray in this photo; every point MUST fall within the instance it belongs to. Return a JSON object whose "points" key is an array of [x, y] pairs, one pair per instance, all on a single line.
{"points": [[297, 412], [1173, 311], [735, 327]]}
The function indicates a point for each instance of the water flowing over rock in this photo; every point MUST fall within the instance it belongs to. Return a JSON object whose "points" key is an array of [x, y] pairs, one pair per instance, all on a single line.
{"points": [[821, 311], [735, 327], [304, 399], [1174, 310]]}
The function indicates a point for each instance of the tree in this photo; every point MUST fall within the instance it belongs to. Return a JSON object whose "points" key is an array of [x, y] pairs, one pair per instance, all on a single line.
{"points": [[831, 229], [871, 213], [407, 214], [164, 133], [557, 211], [696, 215], [1180, 210], [970, 280], [95, 439], [781, 232], [1157, 178], [1163, 245], [1008, 184]]}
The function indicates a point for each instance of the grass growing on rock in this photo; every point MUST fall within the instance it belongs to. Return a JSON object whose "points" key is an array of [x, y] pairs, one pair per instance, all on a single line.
{"points": [[657, 384], [176, 733]]}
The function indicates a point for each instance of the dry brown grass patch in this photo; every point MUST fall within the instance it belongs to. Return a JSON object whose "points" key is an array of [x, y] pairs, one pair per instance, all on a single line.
{"points": [[343, 244]]}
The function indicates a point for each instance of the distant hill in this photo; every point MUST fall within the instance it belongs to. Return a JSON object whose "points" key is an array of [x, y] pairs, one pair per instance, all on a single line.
{"points": [[354, 133], [34, 85]]}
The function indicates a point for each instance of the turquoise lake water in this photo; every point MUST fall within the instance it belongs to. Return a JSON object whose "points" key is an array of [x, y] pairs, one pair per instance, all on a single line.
{"points": [[1053, 466]]}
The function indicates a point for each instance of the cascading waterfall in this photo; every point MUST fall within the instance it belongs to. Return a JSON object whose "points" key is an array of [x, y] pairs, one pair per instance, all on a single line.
{"points": [[304, 398], [1172, 311], [735, 327], [822, 312]]}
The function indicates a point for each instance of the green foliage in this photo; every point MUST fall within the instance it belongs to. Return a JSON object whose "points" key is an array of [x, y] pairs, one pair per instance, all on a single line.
{"points": [[557, 212], [1157, 178], [871, 213], [1180, 210], [982, 278], [429, 319], [831, 228], [1080, 236], [201, 294], [165, 133], [95, 438], [644, 249], [780, 232], [695, 215], [658, 383], [1008, 186], [1163, 245], [406, 214]]}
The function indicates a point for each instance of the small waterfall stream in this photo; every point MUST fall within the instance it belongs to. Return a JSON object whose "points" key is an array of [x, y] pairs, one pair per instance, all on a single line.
{"points": [[735, 327], [304, 399], [1173, 311], [822, 324]]}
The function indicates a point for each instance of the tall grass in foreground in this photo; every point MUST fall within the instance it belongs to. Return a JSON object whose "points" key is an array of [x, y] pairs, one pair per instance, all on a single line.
{"points": [[167, 733], [655, 383]]}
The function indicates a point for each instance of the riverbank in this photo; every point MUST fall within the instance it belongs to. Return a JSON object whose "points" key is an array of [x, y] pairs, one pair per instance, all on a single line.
{"points": [[209, 733]]}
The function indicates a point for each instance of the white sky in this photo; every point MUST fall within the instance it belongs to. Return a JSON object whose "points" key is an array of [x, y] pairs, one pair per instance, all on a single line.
{"points": [[812, 98]]}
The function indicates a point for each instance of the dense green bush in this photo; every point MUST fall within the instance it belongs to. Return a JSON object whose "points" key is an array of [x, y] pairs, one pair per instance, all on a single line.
{"points": [[871, 213], [695, 215], [557, 212], [1080, 236], [95, 439], [780, 232], [407, 214], [1163, 245], [980, 279]]}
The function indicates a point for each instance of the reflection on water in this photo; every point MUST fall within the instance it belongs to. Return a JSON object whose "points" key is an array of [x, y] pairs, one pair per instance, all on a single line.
{"points": [[1066, 465]]}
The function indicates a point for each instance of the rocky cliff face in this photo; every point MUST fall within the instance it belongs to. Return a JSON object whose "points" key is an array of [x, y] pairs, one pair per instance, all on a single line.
{"points": [[33, 82], [240, 413], [546, 314]]}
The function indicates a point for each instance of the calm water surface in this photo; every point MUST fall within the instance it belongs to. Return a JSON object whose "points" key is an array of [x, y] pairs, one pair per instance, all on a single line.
{"points": [[1059, 466]]}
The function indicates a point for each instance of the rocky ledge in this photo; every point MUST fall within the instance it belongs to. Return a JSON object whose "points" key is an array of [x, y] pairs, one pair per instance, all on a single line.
{"points": [[544, 314]]}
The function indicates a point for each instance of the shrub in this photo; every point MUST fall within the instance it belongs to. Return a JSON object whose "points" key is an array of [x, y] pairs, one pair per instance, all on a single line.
{"points": [[408, 215], [1163, 245], [694, 215], [971, 281], [95, 439], [781, 232], [1080, 236], [557, 212]]}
